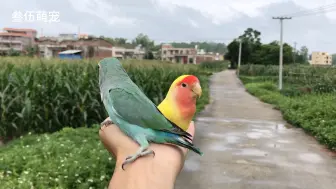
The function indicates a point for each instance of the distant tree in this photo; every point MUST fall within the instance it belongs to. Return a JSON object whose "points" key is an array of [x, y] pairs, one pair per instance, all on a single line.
{"points": [[149, 55], [254, 52], [250, 43], [32, 50], [144, 41], [120, 41], [13, 52]]}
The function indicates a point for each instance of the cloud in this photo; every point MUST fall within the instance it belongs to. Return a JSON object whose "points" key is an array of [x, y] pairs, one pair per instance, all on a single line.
{"points": [[193, 23], [109, 13], [176, 20]]}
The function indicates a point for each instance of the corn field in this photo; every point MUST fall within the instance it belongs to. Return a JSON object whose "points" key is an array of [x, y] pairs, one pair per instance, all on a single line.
{"points": [[46, 95]]}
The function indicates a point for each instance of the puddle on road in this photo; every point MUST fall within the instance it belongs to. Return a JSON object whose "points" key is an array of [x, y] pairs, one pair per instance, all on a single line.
{"points": [[191, 165], [258, 135], [284, 141], [282, 128], [219, 147], [254, 135], [231, 120], [229, 137], [251, 152], [224, 179], [273, 184], [273, 145], [217, 135], [310, 157], [232, 139]]}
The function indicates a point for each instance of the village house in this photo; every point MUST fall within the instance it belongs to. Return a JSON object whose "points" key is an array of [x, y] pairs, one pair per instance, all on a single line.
{"points": [[17, 39], [187, 55], [321, 58], [88, 47], [178, 55]]}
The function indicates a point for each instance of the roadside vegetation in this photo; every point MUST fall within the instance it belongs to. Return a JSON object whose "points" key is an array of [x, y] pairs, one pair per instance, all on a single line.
{"points": [[307, 99], [50, 111]]}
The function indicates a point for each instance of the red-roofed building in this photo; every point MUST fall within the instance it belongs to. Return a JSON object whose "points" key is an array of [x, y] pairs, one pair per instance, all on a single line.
{"points": [[16, 38]]}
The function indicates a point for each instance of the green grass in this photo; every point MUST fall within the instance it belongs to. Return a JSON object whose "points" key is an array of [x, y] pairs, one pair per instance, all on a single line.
{"points": [[45, 98], [70, 158], [306, 103]]}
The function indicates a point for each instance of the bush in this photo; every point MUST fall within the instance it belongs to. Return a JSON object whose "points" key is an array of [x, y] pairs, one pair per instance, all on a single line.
{"points": [[319, 79], [70, 158], [214, 65]]}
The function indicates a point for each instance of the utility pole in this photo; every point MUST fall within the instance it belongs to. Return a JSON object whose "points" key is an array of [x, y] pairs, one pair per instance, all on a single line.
{"points": [[281, 48], [239, 55], [294, 55]]}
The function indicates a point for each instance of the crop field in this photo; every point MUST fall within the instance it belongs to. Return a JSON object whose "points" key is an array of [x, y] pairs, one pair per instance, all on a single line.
{"points": [[307, 99], [49, 114]]}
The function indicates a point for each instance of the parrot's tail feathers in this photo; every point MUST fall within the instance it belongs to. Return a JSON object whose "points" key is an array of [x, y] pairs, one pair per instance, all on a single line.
{"points": [[180, 141], [182, 134]]}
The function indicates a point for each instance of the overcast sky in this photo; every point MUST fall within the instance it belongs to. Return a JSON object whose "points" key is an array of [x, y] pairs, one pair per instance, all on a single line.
{"points": [[181, 20]]}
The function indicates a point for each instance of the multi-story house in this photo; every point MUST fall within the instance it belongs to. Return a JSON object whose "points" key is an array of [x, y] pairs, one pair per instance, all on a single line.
{"points": [[321, 58], [178, 55], [16, 39]]}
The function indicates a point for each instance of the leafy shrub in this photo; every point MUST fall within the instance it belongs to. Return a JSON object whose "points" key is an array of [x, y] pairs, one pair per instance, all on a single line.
{"points": [[70, 158], [214, 65], [319, 79]]}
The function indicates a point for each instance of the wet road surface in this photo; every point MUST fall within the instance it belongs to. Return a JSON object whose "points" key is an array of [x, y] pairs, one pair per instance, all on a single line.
{"points": [[247, 144]]}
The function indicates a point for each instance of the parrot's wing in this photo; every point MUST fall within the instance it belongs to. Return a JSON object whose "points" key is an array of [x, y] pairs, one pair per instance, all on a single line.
{"points": [[136, 108]]}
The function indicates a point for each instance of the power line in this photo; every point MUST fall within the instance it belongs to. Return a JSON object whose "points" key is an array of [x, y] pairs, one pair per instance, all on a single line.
{"points": [[315, 13], [312, 11]]}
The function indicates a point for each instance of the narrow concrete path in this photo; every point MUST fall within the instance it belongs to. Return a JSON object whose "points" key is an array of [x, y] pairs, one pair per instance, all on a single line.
{"points": [[248, 145]]}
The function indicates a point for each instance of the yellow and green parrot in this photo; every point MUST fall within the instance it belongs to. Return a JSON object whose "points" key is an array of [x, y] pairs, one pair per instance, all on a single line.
{"points": [[134, 113], [179, 106]]}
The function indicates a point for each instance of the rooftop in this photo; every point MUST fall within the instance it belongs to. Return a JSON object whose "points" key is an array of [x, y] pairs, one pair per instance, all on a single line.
{"points": [[13, 34], [19, 29]]}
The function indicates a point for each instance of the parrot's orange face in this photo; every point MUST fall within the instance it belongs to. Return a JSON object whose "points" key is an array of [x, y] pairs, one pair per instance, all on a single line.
{"points": [[179, 106], [188, 88]]}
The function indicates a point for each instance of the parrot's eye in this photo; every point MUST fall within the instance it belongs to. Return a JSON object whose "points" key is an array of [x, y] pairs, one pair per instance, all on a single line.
{"points": [[184, 85]]}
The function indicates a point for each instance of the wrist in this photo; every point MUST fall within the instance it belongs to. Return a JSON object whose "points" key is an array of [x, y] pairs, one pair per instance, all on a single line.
{"points": [[147, 172]]}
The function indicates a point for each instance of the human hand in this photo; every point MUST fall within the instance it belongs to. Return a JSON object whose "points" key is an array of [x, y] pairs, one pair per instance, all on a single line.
{"points": [[146, 172]]}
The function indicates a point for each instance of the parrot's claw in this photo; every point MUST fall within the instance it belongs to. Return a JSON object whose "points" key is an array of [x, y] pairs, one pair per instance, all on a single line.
{"points": [[131, 159], [106, 123]]}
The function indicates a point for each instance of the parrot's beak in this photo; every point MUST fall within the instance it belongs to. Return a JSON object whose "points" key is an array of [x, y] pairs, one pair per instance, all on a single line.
{"points": [[197, 90]]}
